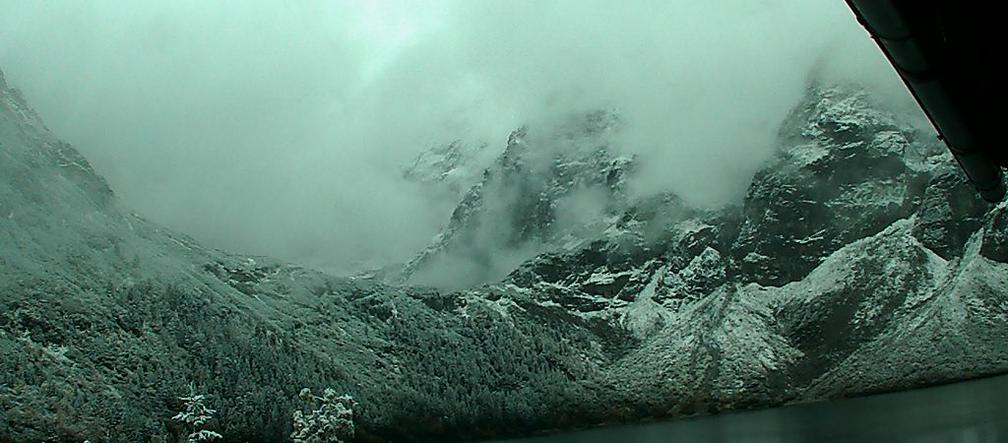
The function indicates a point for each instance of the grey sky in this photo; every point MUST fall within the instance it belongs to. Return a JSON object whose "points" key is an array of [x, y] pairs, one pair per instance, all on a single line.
{"points": [[281, 128]]}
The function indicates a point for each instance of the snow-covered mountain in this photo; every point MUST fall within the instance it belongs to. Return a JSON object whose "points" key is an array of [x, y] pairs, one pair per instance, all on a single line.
{"points": [[859, 253], [860, 261]]}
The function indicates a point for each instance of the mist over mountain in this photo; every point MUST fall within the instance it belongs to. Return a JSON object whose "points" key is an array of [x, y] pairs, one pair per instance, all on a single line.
{"points": [[271, 128]]}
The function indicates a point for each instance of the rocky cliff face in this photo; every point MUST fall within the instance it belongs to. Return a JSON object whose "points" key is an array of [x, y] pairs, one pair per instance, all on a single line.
{"points": [[526, 202], [859, 261], [846, 172]]}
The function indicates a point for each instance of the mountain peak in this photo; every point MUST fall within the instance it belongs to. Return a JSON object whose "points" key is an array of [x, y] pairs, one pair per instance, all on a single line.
{"points": [[839, 112]]}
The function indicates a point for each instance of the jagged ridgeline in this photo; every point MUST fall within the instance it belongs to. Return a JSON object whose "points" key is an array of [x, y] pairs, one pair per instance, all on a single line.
{"points": [[860, 261]]}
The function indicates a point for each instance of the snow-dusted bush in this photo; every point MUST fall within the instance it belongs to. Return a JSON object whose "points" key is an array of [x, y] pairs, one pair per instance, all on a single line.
{"points": [[194, 416], [329, 418]]}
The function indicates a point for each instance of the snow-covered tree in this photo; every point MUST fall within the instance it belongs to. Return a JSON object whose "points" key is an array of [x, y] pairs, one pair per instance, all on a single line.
{"points": [[194, 416], [329, 418]]}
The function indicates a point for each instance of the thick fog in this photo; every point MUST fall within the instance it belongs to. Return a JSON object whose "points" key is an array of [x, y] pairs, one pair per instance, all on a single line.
{"points": [[282, 128]]}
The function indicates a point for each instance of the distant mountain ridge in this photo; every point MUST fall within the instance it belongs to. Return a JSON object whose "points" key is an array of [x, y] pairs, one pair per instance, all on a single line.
{"points": [[860, 261]]}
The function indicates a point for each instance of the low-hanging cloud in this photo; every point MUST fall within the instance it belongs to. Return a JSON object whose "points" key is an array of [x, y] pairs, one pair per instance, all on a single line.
{"points": [[281, 127]]}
